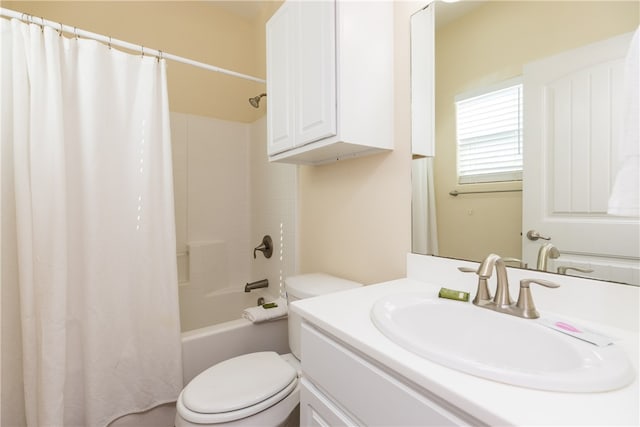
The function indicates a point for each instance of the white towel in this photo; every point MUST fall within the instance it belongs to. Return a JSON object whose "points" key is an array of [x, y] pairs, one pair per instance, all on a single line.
{"points": [[259, 314]]}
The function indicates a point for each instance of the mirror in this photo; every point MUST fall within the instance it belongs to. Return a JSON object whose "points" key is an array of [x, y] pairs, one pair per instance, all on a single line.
{"points": [[479, 44]]}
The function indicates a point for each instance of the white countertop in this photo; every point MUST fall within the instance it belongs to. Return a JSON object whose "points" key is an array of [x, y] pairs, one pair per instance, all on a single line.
{"points": [[346, 316]]}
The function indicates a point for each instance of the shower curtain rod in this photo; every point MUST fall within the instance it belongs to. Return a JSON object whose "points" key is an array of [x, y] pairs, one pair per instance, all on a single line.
{"points": [[61, 28]]}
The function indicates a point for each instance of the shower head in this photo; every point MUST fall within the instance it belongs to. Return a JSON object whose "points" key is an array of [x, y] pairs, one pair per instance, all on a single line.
{"points": [[255, 101]]}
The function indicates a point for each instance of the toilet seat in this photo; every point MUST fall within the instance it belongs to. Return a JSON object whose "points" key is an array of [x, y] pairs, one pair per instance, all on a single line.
{"points": [[237, 388]]}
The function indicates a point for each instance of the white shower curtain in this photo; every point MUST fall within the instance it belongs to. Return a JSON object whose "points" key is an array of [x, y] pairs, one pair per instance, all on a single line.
{"points": [[424, 230], [89, 129]]}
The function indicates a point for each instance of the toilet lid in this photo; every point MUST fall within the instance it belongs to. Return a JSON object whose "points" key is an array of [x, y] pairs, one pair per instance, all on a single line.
{"points": [[238, 383]]}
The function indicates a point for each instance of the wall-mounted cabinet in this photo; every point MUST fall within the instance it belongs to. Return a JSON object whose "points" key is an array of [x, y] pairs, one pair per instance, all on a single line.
{"points": [[423, 82], [329, 81]]}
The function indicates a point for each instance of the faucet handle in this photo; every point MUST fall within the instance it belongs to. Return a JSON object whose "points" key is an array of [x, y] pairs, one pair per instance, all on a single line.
{"points": [[520, 262], [483, 296], [266, 247], [563, 269], [525, 305]]}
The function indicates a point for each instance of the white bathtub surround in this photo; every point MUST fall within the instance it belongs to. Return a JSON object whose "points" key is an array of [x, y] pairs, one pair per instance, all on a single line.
{"points": [[208, 266], [96, 241], [228, 195], [608, 308], [199, 310], [274, 189], [211, 184]]}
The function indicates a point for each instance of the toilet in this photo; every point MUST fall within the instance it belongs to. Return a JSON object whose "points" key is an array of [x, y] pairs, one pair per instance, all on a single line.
{"points": [[256, 389]]}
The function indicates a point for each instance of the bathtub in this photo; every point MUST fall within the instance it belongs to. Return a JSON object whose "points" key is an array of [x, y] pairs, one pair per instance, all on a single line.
{"points": [[214, 330], [230, 336], [198, 310], [204, 347]]}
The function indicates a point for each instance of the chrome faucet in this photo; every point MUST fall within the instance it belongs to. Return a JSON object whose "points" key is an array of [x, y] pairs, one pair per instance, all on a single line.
{"points": [[502, 302], [546, 252], [483, 295]]}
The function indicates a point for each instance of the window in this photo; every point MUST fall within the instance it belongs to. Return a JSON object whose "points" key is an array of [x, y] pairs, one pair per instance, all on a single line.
{"points": [[489, 134]]}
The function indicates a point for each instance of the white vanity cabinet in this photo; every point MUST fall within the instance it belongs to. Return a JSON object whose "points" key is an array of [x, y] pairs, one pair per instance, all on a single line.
{"points": [[329, 80], [343, 388]]}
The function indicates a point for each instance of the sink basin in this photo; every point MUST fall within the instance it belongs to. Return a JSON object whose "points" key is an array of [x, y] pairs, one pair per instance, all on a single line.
{"points": [[499, 347]]}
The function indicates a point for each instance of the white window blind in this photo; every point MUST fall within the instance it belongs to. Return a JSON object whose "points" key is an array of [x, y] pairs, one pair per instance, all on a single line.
{"points": [[489, 135]]}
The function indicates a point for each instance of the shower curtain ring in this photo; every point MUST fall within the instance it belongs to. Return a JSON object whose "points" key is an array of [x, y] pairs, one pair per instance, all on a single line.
{"points": [[109, 42], [41, 25], [142, 51], [60, 32]]}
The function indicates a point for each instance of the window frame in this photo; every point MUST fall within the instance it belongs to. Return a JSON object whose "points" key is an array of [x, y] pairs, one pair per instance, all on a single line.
{"points": [[498, 176]]}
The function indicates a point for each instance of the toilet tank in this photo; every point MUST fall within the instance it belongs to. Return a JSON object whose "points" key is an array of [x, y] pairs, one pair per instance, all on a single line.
{"points": [[307, 286]]}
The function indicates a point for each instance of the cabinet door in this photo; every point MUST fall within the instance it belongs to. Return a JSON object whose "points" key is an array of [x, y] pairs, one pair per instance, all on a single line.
{"points": [[318, 411], [315, 72], [370, 395], [280, 78]]}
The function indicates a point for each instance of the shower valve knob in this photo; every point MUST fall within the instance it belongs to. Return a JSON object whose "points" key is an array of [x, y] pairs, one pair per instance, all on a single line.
{"points": [[266, 247]]}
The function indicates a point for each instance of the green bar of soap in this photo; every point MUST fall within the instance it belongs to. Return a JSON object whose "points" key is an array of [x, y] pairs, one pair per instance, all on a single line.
{"points": [[453, 294], [269, 305]]}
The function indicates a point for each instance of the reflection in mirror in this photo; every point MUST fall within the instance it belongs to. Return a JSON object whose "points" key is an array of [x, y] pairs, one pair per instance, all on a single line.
{"points": [[479, 48]]}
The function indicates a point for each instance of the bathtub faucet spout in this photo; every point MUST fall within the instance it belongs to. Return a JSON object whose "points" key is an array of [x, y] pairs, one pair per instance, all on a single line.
{"points": [[256, 285]]}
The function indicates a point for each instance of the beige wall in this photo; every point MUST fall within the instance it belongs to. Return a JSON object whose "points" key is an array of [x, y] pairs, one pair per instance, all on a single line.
{"points": [[355, 215], [198, 30], [488, 46]]}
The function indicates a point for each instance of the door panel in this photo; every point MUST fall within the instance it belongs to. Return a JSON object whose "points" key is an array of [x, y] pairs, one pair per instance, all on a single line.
{"points": [[572, 105]]}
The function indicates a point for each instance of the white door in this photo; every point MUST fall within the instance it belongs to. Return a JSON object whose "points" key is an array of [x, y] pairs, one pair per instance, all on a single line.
{"points": [[572, 104]]}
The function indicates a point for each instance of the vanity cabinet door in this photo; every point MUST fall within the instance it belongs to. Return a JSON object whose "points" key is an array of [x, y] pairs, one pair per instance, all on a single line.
{"points": [[372, 395], [318, 411]]}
